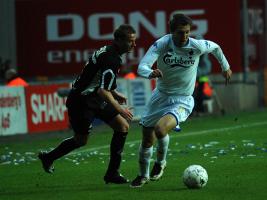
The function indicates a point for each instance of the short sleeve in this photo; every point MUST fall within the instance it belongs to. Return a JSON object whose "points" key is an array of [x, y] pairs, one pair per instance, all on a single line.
{"points": [[109, 68]]}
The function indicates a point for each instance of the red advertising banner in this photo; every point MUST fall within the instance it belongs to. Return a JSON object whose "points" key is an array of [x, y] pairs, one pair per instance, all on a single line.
{"points": [[46, 111], [55, 37]]}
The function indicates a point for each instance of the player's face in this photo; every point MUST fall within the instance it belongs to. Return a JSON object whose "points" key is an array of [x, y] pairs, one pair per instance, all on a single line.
{"points": [[180, 35], [128, 44]]}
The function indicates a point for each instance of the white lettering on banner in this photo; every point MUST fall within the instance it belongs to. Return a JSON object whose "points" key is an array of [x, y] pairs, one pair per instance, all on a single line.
{"points": [[54, 56], [52, 23], [51, 106], [81, 56], [135, 18], [68, 56], [255, 22], [94, 25]]}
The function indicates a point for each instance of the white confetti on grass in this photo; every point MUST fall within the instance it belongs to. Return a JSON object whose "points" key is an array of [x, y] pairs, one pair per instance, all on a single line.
{"points": [[82, 155]]}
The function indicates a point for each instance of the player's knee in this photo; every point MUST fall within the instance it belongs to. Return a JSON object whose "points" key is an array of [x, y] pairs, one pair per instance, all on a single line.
{"points": [[124, 127], [119, 124], [159, 131]]}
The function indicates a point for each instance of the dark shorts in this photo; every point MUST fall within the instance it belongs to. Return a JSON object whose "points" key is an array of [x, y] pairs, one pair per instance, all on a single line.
{"points": [[82, 111]]}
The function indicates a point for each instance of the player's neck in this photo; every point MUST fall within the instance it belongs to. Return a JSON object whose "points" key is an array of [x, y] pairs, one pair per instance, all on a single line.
{"points": [[179, 45], [117, 48]]}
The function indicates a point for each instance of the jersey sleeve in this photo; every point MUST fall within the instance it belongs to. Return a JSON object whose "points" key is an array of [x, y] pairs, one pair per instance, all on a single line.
{"points": [[108, 73], [146, 63], [207, 46]]}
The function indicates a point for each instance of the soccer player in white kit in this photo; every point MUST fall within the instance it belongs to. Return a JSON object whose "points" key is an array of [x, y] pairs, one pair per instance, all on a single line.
{"points": [[171, 103]]}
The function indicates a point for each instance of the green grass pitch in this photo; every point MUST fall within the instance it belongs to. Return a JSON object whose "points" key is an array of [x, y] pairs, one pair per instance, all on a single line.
{"points": [[232, 148]]}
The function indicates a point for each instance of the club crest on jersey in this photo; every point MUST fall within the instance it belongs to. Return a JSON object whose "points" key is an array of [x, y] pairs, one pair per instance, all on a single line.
{"points": [[175, 61], [191, 52]]}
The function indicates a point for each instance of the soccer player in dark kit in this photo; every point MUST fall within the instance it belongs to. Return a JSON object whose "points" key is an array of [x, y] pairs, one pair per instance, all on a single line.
{"points": [[94, 95]]}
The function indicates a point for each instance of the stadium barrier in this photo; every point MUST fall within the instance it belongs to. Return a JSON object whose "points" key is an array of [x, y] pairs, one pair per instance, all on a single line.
{"points": [[39, 108], [13, 119], [138, 92]]}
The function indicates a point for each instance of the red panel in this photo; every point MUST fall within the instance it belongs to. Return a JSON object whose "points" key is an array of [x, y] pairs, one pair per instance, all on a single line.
{"points": [[46, 111], [87, 23]]}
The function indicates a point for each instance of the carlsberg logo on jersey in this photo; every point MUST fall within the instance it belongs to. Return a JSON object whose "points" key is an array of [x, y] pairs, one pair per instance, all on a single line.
{"points": [[178, 61]]}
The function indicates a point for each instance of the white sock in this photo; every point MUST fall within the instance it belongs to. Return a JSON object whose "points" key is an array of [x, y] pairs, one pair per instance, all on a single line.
{"points": [[145, 155], [162, 149]]}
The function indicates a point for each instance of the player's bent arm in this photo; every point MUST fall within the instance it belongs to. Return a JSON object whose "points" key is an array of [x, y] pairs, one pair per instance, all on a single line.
{"points": [[207, 46], [119, 97], [146, 63], [107, 96], [115, 93], [218, 54], [226, 71], [144, 70]]}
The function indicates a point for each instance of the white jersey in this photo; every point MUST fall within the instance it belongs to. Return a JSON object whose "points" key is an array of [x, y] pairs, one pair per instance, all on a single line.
{"points": [[178, 64]]}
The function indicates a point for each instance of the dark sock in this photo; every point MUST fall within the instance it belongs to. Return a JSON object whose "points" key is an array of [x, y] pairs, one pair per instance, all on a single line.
{"points": [[116, 149], [64, 148]]}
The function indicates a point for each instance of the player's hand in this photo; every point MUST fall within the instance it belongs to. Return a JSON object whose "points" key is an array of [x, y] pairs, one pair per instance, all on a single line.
{"points": [[121, 99], [156, 74], [227, 75], [127, 114]]}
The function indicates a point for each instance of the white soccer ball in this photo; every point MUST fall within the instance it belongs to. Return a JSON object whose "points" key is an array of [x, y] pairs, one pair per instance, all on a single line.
{"points": [[195, 176]]}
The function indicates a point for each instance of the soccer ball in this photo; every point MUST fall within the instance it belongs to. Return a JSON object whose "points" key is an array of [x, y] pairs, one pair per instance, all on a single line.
{"points": [[195, 176]]}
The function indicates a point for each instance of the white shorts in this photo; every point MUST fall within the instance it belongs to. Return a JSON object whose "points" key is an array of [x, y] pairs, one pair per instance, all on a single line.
{"points": [[161, 104]]}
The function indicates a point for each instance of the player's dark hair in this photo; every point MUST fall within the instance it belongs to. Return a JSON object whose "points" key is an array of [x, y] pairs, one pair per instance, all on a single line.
{"points": [[179, 19], [123, 31]]}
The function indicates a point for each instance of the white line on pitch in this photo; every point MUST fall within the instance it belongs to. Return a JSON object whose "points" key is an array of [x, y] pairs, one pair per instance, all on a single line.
{"points": [[180, 135]]}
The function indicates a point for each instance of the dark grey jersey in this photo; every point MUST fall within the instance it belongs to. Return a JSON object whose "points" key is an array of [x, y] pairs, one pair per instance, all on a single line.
{"points": [[99, 72]]}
